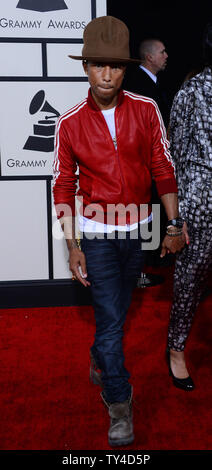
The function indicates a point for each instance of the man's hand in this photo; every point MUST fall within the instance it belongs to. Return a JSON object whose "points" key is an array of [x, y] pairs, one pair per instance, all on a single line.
{"points": [[77, 265], [175, 244], [172, 244]]}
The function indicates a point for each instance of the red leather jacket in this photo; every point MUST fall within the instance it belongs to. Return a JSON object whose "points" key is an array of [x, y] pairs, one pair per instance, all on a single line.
{"points": [[106, 175]]}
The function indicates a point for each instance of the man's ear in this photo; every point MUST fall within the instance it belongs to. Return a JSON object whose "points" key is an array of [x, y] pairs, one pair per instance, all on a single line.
{"points": [[85, 66], [149, 57]]}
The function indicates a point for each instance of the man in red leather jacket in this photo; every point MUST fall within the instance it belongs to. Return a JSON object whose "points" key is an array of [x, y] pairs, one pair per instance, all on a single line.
{"points": [[119, 142]]}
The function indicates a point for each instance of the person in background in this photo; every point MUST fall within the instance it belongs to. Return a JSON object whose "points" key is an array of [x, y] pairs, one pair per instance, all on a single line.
{"points": [[191, 146], [143, 79], [112, 171]]}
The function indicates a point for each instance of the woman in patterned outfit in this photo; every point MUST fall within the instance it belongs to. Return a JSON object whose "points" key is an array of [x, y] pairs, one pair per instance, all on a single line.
{"points": [[191, 146]]}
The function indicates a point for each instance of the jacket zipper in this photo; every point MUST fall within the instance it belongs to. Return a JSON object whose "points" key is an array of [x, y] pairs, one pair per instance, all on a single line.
{"points": [[116, 153]]}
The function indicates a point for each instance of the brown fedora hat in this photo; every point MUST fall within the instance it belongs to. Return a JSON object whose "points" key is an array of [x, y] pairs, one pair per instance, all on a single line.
{"points": [[106, 39]]}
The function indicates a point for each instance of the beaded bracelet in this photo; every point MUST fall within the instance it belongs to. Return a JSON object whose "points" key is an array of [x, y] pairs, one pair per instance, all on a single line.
{"points": [[174, 234]]}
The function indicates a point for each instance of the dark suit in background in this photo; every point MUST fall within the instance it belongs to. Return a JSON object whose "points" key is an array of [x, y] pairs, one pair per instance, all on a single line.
{"points": [[138, 81]]}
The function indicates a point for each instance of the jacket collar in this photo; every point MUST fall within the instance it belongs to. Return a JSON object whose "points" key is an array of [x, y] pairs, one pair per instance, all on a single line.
{"points": [[93, 104]]}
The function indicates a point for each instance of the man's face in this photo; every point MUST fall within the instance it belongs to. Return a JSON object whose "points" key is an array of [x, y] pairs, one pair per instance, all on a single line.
{"points": [[159, 57], [105, 80]]}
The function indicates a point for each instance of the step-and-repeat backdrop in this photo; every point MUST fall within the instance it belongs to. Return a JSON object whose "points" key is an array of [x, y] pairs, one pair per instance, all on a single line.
{"points": [[38, 82]]}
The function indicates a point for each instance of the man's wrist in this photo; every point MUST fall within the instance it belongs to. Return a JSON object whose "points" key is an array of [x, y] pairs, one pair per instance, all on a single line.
{"points": [[72, 244], [174, 233]]}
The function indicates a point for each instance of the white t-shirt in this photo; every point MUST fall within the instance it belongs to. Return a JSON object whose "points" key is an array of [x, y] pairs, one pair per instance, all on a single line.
{"points": [[109, 115]]}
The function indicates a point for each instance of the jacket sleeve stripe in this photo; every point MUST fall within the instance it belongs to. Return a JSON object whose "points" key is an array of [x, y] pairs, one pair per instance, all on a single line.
{"points": [[65, 116], [164, 139]]}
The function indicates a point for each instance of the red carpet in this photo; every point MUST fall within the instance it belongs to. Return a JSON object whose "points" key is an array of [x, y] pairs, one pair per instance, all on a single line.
{"points": [[47, 401]]}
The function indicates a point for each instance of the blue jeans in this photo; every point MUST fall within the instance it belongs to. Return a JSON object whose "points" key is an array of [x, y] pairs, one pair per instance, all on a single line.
{"points": [[113, 266]]}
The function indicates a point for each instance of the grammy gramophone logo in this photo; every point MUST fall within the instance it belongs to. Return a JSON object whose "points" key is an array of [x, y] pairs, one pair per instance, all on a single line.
{"points": [[42, 5], [43, 138]]}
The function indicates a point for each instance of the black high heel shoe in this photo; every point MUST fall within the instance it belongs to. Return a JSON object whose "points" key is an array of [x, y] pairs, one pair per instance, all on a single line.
{"points": [[186, 384]]}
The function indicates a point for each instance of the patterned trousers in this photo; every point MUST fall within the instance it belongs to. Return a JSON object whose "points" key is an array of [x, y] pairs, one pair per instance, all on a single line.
{"points": [[191, 271]]}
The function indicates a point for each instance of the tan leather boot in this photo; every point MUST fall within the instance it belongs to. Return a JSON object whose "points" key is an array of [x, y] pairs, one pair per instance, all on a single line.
{"points": [[121, 422]]}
